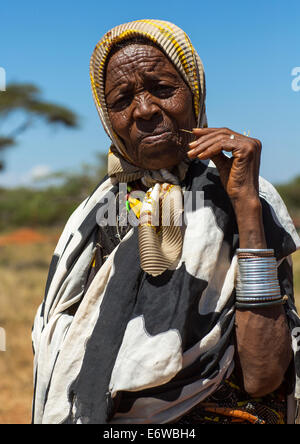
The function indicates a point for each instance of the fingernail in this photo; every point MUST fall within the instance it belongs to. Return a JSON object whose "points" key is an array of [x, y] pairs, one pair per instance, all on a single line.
{"points": [[191, 153], [193, 144]]}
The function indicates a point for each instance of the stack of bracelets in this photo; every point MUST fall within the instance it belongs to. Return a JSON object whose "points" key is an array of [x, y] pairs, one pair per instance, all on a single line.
{"points": [[257, 283]]}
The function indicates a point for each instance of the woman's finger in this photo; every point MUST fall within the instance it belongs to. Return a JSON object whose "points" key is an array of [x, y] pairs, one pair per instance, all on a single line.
{"points": [[227, 144], [205, 142], [222, 139], [207, 135], [210, 152], [204, 131], [204, 137], [245, 152]]}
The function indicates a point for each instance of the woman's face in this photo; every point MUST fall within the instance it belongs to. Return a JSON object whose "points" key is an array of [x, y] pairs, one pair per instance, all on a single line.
{"points": [[148, 102]]}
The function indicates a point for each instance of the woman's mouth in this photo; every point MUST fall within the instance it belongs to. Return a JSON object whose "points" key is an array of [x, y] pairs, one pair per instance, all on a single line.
{"points": [[159, 137]]}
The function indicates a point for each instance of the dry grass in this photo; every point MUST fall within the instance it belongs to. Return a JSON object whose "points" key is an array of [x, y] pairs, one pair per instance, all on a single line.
{"points": [[23, 275]]}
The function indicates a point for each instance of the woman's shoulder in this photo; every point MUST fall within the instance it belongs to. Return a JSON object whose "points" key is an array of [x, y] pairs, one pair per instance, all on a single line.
{"points": [[275, 209], [269, 194], [84, 209]]}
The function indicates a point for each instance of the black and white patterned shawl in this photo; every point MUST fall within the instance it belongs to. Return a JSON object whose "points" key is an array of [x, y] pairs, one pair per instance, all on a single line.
{"points": [[167, 341]]}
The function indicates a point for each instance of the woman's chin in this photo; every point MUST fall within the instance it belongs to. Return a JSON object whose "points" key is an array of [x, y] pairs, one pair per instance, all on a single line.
{"points": [[156, 158]]}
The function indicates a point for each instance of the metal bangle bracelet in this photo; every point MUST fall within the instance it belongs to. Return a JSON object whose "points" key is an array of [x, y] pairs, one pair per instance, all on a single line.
{"points": [[252, 275], [254, 267], [264, 271], [260, 288], [253, 263], [256, 280], [257, 258], [257, 295], [258, 285], [259, 298], [254, 256], [262, 284], [254, 250], [271, 276], [260, 304]]}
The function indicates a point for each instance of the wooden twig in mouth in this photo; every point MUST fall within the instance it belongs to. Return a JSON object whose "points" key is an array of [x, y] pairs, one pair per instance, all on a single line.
{"points": [[186, 131]]}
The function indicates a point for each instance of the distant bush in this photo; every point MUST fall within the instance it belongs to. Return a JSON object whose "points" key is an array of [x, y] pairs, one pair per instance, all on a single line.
{"points": [[29, 207], [290, 192], [49, 205]]}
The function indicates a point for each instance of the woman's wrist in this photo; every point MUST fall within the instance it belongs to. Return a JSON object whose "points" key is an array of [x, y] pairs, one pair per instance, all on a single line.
{"points": [[248, 213]]}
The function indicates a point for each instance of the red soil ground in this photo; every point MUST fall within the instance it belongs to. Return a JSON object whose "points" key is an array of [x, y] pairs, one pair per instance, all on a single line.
{"points": [[23, 236]]}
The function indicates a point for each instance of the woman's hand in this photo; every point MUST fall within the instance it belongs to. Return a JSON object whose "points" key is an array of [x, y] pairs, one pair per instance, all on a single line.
{"points": [[239, 174]]}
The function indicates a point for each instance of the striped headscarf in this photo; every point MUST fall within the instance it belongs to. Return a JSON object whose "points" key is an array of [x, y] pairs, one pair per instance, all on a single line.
{"points": [[158, 248]]}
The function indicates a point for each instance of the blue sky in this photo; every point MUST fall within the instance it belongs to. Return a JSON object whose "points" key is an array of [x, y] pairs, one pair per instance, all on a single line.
{"points": [[249, 49]]}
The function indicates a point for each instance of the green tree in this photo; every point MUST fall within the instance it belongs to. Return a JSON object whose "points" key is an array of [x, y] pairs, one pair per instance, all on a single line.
{"points": [[27, 98]]}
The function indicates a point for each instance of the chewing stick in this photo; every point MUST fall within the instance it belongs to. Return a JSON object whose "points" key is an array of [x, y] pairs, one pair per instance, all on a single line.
{"points": [[186, 131]]}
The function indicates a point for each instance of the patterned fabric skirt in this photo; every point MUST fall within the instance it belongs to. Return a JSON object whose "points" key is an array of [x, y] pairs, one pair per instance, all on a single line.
{"points": [[231, 405]]}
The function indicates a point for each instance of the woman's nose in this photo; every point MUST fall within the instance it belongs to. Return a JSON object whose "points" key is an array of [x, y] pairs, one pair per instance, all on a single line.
{"points": [[144, 107]]}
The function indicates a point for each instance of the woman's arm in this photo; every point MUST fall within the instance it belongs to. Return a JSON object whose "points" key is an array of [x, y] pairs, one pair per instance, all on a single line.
{"points": [[262, 336]]}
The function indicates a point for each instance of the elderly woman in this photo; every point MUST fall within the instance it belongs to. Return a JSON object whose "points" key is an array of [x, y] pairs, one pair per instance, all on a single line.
{"points": [[170, 293]]}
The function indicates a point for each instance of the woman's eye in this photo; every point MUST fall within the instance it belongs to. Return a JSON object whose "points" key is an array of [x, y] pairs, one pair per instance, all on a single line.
{"points": [[163, 91], [121, 103]]}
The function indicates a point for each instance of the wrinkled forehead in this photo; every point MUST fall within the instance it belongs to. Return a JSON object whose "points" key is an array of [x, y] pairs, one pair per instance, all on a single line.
{"points": [[146, 61]]}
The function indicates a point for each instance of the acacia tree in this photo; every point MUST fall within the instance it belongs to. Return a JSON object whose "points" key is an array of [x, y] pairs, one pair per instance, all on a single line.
{"points": [[27, 98]]}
